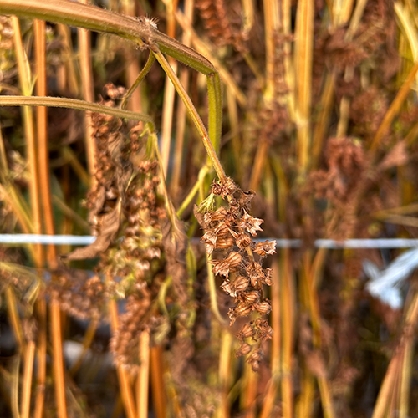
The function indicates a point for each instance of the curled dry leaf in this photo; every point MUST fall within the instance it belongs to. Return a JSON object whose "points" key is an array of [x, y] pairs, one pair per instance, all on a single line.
{"points": [[396, 157], [110, 224]]}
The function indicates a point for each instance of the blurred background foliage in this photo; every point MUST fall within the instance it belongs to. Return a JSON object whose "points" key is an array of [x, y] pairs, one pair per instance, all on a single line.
{"points": [[319, 120]]}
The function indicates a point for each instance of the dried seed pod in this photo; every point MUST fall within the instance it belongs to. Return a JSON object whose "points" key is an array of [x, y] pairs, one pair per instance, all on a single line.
{"points": [[219, 215], [243, 310], [224, 242], [265, 248], [241, 283], [263, 307], [223, 230], [246, 331], [251, 296], [234, 259], [243, 350], [268, 276], [243, 240], [256, 355], [227, 287], [255, 282]]}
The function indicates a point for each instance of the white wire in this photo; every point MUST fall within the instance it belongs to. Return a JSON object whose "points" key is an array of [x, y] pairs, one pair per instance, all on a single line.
{"points": [[281, 243]]}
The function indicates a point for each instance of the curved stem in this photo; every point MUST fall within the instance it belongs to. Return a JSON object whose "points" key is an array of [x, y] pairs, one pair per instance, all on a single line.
{"points": [[72, 104], [214, 120], [142, 74]]}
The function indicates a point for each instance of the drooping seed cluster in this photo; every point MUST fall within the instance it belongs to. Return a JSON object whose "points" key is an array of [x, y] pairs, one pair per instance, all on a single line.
{"points": [[7, 60], [78, 294], [218, 19], [228, 235], [128, 215]]}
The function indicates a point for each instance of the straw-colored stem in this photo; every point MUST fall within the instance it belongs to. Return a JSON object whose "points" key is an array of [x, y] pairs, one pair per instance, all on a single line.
{"points": [[142, 380], [58, 359], [386, 388], [394, 108], [25, 83], [259, 163], [14, 384], [270, 25], [167, 118], [181, 109], [27, 378], [43, 170], [409, 344], [169, 95], [41, 358], [123, 375], [157, 382], [234, 121], [42, 136], [305, 404], [405, 389], [323, 119], [69, 70], [213, 289], [287, 331], [13, 314], [224, 373], [303, 57], [87, 341], [249, 392], [86, 77]]}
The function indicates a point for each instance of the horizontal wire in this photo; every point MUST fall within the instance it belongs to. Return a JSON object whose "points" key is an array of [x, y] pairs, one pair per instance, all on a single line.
{"points": [[281, 243]]}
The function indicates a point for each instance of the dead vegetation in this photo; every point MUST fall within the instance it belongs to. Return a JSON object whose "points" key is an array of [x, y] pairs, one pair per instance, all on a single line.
{"points": [[318, 141]]}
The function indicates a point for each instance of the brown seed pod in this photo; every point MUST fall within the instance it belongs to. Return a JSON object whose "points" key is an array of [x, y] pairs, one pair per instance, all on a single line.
{"points": [[224, 242], [263, 307], [241, 283], [219, 215], [251, 296], [243, 241], [255, 282], [256, 355], [234, 259], [243, 310], [227, 287], [265, 248], [244, 350], [223, 230], [246, 331]]}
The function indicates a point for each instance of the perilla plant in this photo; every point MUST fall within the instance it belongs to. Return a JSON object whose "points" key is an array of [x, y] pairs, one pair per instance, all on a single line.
{"points": [[229, 233]]}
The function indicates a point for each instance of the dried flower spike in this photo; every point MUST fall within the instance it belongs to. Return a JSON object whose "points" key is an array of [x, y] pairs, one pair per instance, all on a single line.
{"points": [[228, 235]]}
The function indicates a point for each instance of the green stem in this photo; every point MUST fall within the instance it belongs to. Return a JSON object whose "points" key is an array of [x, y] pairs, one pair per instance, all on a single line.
{"points": [[200, 179], [138, 80], [214, 120], [144, 34], [72, 104]]}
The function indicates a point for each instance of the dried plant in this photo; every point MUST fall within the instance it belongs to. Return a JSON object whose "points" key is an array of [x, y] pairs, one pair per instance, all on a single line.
{"points": [[128, 217], [309, 141], [228, 236], [221, 27]]}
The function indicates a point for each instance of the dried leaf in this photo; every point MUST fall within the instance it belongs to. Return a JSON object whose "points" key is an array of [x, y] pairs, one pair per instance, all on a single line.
{"points": [[396, 157], [109, 226]]}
